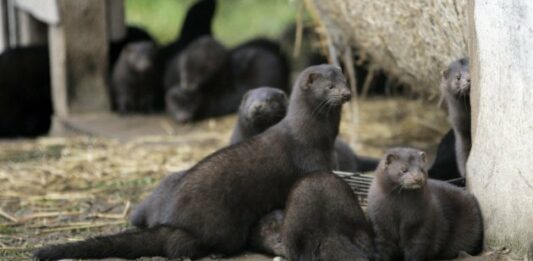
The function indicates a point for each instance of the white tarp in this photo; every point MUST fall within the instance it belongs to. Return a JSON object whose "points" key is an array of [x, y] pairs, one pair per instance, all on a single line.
{"points": [[44, 10]]}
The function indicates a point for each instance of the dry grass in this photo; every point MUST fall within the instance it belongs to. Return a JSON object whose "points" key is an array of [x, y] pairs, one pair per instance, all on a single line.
{"points": [[411, 40], [62, 189]]}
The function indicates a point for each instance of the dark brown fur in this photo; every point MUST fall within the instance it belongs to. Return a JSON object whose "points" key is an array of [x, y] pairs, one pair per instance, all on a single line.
{"points": [[25, 94], [199, 88], [260, 109], [211, 81], [416, 218], [135, 82], [455, 88], [259, 62], [445, 165], [347, 160], [324, 221], [265, 236], [217, 201]]}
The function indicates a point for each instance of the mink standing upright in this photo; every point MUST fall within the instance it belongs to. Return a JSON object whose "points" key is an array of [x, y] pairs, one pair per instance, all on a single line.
{"points": [[203, 86], [217, 201], [134, 79], [455, 87], [197, 23]]}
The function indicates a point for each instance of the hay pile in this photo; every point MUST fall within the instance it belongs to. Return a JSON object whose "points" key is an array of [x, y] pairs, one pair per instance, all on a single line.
{"points": [[411, 40]]}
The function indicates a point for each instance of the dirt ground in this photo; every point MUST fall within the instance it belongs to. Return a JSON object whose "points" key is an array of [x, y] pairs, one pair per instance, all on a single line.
{"points": [[58, 189]]}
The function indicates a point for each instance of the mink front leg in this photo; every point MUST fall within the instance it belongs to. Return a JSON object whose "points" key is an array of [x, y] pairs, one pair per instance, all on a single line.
{"points": [[385, 249]]}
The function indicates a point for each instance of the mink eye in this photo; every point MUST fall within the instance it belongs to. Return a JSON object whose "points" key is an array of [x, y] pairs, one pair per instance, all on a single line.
{"points": [[403, 169], [330, 86], [458, 77]]}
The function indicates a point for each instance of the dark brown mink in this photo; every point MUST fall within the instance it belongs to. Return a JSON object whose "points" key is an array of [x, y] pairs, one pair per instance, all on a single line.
{"points": [[135, 82], [263, 107], [133, 34], [202, 85], [155, 204], [260, 109], [416, 218], [265, 236], [324, 221], [455, 88], [215, 204], [197, 23]]}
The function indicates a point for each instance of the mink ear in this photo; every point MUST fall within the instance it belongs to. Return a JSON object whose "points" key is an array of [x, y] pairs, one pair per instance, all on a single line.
{"points": [[422, 156], [389, 158], [311, 77], [244, 97]]}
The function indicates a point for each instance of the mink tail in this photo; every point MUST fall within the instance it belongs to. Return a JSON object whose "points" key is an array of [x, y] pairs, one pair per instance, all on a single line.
{"points": [[158, 241]]}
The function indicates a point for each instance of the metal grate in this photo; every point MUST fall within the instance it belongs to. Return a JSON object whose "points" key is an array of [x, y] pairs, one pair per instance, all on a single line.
{"points": [[359, 182]]}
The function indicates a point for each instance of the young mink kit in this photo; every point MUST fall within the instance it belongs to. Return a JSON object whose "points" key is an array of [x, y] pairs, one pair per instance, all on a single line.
{"points": [[212, 207], [416, 218]]}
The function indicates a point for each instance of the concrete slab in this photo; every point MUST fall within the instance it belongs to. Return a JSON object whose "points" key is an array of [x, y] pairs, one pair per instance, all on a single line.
{"points": [[110, 125]]}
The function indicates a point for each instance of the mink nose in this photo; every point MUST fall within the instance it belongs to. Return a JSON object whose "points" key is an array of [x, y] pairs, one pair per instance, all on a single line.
{"points": [[346, 95], [419, 179], [258, 107]]}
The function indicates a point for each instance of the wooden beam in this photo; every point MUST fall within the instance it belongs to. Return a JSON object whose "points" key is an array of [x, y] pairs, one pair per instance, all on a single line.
{"points": [[78, 51]]}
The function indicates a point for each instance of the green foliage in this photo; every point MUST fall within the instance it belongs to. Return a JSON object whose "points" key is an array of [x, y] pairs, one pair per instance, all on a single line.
{"points": [[235, 20]]}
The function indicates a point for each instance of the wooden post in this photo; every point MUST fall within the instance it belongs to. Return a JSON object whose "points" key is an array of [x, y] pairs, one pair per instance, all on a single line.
{"points": [[78, 51], [500, 165]]}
